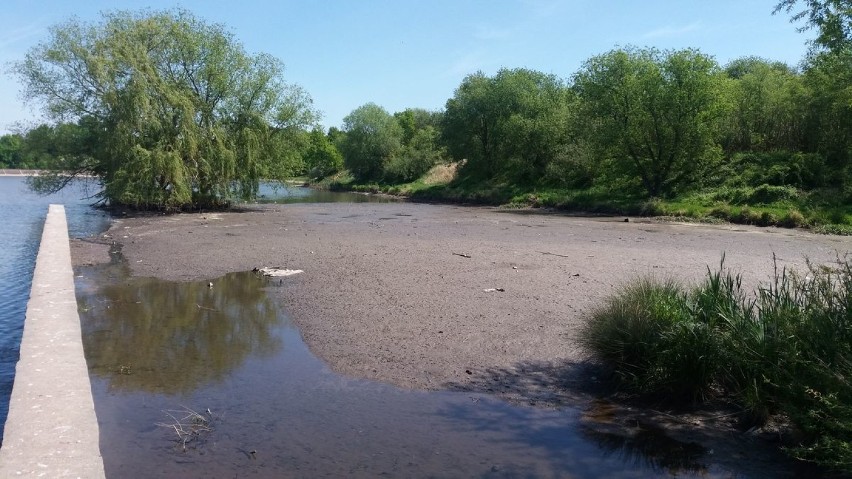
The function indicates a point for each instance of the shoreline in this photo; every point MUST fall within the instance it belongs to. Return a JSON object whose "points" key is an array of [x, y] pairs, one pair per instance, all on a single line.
{"points": [[400, 293], [18, 172], [388, 295]]}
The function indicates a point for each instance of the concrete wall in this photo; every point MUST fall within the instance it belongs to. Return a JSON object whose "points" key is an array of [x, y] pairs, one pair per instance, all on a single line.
{"points": [[52, 430]]}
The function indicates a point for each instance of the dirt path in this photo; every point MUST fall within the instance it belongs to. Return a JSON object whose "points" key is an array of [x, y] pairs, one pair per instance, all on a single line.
{"points": [[397, 292]]}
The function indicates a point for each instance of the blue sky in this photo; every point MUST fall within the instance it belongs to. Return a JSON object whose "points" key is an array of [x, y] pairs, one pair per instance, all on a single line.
{"points": [[415, 53]]}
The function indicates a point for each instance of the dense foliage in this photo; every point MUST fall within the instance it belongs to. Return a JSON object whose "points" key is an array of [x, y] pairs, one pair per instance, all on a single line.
{"points": [[172, 111], [785, 348]]}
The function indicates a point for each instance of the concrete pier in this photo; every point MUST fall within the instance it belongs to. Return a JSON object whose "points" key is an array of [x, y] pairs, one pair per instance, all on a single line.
{"points": [[52, 430]]}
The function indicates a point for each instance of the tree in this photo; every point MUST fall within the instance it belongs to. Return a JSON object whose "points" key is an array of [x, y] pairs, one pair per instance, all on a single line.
{"points": [[373, 138], [420, 145], [767, 111], [652, 112], [10, 151], [510, 124], [832, 19], [829, 111], [181, 115], [322, 158]]}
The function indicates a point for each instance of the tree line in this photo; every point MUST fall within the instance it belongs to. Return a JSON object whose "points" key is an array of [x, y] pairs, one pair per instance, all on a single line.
{"points": [[170, 111]]}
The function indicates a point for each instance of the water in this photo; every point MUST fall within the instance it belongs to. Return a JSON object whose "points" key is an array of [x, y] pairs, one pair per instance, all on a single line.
{"points": [[197, 381], [22, 215], [274, 193], [194, 381]]}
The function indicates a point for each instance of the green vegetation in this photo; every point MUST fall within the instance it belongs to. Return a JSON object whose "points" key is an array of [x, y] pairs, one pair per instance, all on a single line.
{"points": [[640, 131], [785, 349], [168, 111]]}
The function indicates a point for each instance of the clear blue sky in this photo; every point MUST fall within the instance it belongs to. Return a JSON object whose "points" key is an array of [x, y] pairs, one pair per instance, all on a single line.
{"points": [[415, 53]]}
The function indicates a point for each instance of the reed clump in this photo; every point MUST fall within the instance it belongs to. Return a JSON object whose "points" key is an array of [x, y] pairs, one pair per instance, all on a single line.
{"points": [[784, 348]]}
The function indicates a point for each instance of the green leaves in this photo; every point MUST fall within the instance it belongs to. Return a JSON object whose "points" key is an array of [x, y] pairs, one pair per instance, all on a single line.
{"points": [[512, 124], [183, 115], [652, 112], [373, 137]]}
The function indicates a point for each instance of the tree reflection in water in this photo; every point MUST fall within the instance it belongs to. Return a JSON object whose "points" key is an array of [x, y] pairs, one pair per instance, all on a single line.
{"points": [[166, 337]]}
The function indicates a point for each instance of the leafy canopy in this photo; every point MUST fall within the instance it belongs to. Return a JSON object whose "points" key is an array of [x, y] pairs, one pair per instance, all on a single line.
{"points": [[177, 113], [373, 138], [652, 112]]}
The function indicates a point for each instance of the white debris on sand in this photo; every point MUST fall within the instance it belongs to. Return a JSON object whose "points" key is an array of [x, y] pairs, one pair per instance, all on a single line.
{"points": [[279, 272]]}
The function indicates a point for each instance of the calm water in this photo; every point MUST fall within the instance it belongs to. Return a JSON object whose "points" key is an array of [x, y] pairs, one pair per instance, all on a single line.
{"points": [[198, 381], [269, 193], [22, 215]]}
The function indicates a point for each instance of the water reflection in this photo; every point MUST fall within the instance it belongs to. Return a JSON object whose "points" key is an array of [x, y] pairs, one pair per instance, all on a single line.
{"points": [[167, 337], [158, 349], [283, 194], [650, 446]]}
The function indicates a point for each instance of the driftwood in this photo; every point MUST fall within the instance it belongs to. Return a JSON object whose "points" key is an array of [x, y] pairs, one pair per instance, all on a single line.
{"points": [[555, 254]]}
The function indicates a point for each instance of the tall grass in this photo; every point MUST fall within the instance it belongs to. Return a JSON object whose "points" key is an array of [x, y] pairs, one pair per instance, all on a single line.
{"points": [[784, 348]]}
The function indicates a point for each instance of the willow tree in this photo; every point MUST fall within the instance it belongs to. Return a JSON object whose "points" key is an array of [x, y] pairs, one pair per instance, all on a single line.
{"points": [[179, 114]]}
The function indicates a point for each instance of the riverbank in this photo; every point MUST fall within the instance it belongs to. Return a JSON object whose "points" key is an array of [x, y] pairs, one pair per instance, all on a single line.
{"points": [[402, 292], [462, 298], [14, 172]]}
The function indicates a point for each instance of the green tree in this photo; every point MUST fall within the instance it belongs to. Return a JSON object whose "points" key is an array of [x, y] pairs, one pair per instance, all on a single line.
{"points": [[10, 151], [373, 138], [511, 124], [322, 158], [767, 106], [828, 78], [831, 18], [181, 114], [420, 145], [653, 113]]}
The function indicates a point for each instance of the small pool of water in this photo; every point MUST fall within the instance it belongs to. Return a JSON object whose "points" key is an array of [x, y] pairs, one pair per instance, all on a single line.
{"points": [[194, 380], [282, 194]]}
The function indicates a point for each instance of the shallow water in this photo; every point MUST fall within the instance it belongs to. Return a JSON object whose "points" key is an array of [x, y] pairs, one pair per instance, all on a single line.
{"points": [[197, 381], [274, 193], [22, 215]]}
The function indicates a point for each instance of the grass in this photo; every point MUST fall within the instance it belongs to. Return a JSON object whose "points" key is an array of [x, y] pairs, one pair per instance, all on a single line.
{"points": [[822, 211], [782, 349]]}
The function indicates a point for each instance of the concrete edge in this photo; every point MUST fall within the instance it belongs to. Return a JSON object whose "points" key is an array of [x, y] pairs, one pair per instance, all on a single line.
{"points": [[52, 429]]}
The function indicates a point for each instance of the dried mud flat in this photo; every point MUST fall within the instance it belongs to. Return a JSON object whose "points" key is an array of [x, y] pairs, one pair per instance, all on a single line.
{"points": [[452, 297]]}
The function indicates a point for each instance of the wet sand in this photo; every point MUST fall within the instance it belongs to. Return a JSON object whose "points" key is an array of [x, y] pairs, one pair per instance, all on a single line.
{"points": [[482, 300], [398, 292]]}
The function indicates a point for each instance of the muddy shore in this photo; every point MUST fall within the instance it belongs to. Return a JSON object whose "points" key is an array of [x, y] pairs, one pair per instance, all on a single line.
{"points": [[470, 298], [399, 292]]}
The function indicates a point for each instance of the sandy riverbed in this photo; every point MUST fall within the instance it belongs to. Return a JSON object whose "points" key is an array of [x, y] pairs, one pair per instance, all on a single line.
{"points": [[387, 295]]}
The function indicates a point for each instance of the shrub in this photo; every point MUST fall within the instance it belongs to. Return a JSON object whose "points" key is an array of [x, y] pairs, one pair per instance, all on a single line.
{"points": [[766, 194], [646, 334], [793, 219], [785, 348], [746, 216]]}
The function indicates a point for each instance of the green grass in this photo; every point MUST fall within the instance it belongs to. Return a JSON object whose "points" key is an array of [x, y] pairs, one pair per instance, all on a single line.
{"points": [[823, 211], [784, 348]]}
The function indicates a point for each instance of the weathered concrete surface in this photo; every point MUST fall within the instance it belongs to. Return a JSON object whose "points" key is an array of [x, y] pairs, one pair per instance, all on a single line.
{"points": [[52, 430]]}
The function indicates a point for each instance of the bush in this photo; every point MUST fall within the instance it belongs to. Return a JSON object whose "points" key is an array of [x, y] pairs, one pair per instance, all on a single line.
{"points": [[646, 333], [778, 168], [793, 219], [785, 348], [766, 194]]}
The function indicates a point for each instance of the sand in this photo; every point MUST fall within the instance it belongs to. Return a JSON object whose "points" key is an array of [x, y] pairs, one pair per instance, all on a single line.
{"points": [[448, 297]]}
